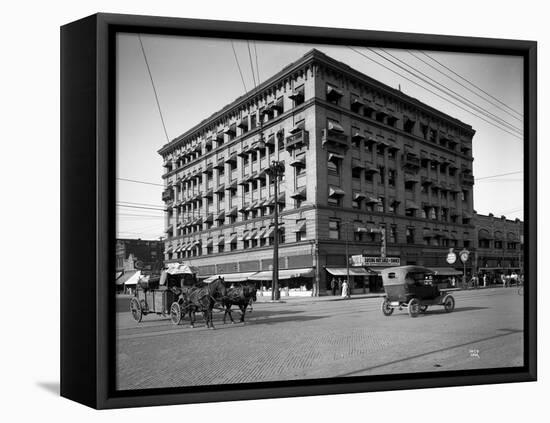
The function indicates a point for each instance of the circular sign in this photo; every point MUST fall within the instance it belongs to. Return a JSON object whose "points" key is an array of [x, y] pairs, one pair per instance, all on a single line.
{"points": [[451, 258], [464, 254]]}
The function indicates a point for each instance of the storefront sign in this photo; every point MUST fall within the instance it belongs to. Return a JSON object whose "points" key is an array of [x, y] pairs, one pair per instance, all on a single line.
{"points": [[375, 261]]}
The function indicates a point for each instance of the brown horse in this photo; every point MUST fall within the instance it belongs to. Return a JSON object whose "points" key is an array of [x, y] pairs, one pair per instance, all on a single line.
{"points": [[242, 296], [203, 297]]}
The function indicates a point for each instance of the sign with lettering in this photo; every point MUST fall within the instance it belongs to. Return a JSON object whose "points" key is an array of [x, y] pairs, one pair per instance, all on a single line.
{"points": [[375, 261]]}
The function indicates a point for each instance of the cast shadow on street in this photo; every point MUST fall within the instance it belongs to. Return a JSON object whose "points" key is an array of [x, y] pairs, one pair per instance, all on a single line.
{"points": [[51, 387], [441, 310], [452, 347]]}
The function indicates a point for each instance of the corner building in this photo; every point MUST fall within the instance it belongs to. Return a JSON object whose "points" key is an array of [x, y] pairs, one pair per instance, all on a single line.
{"points": [[358, 155]]}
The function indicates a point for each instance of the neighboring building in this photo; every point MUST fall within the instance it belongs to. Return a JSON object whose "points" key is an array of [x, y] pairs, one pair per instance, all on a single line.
{"points": [[499, 245], [358, 155], [134, 254]]}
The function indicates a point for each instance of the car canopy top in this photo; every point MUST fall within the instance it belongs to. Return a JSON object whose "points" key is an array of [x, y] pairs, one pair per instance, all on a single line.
{"points": [[398, 275]]}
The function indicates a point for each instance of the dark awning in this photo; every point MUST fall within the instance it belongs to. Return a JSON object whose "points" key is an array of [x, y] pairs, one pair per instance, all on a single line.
{"points": [[299, 193], [411, 205], [445, 271], [336, 192], [232, 212], [335, 126], [300, 226]]}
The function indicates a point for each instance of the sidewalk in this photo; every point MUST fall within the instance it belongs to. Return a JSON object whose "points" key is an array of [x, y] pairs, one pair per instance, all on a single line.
{"points": [[299, 299]]}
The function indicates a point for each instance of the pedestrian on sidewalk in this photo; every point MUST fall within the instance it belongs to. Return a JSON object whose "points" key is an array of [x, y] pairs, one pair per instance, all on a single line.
{"points": [[345, 288], [485, 280], [333, 285], [340, 285]]}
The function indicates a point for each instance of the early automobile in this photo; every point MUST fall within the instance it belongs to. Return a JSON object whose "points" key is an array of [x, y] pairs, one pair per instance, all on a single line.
{"points": [[414, 288], [157, 293]]}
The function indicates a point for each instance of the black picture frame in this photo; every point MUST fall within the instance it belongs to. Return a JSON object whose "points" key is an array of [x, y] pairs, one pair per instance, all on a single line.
{"points": [[88, 214]]}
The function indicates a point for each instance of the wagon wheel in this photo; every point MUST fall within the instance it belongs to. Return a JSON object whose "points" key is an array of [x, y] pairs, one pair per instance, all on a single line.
{"points": [[423, 308], [414, 307], [386, 308], [175, 313], [135, 309], [449, 303]]}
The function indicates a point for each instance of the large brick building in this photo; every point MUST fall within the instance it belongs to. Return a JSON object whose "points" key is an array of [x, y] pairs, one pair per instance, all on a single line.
{"points": [[499, 245], [358, 155]]}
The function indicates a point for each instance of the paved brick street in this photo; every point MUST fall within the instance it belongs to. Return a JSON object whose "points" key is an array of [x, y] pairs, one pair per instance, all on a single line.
{"points": [[317, 339]]}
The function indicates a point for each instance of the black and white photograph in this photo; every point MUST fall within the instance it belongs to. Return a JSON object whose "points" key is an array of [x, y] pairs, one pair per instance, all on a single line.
{"points": [[294, 212]]}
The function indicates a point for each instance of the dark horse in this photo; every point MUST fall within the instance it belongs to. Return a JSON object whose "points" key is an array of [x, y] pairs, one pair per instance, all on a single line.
{"points": [[203, 297], [242, 296]]}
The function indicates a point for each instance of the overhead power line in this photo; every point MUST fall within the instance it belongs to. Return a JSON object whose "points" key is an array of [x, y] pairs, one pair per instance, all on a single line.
{"points": [[238, 65], [472, 84], [141, 204], [499, 175], [140, 182], [465, 86], [140, 207], [251, 66], [154, 88], [434, 93], [257, 67], [443, 88]]}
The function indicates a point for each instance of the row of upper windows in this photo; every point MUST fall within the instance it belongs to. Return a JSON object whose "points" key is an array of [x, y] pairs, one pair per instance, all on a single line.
{"points": [[429, 237], [366, 109], [192, 150]]}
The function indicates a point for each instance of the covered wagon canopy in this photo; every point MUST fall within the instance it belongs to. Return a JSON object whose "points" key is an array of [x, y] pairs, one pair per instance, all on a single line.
{"points": [[181, 269]]}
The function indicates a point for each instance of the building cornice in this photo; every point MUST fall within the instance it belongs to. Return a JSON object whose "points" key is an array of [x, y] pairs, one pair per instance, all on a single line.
{"points": [[309, 59]]}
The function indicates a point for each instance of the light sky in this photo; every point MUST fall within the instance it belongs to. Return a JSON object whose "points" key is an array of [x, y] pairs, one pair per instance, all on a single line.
{"points": [[195, 77]]}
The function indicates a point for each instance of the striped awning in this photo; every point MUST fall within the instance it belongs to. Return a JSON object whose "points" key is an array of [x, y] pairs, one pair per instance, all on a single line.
{"points": [[230, 277], [353, 271], [283, 274]]}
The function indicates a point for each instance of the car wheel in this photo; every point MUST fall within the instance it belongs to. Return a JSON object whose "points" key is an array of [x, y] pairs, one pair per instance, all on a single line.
{"points": [[414, 307], [386, 308], [449, 303]]}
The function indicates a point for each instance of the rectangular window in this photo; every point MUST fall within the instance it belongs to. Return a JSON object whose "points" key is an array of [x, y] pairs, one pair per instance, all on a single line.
{"points": [[368, 176], [393, 234], [298, 95], [382, 172], [410, 235], [334, 201], [391, 177], [380, 205], [333, 166], [334, 229]]}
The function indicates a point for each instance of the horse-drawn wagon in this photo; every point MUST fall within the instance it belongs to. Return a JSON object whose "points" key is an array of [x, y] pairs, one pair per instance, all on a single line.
{"points": [[157, 293]]}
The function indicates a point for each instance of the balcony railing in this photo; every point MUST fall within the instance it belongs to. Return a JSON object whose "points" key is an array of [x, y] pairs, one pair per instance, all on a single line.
{"points": [[335, 138], [467, 179], [410, 160], [167, 195], [297, 139]]}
